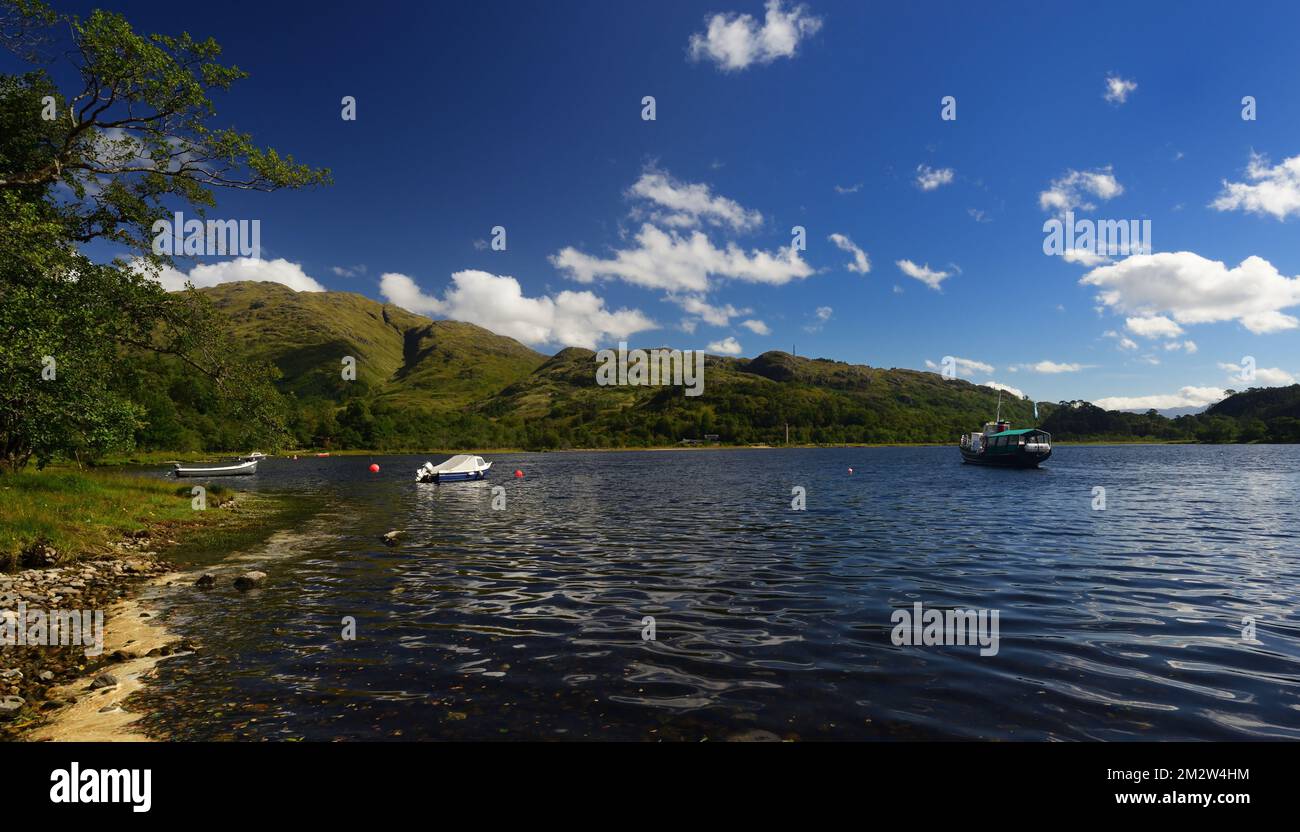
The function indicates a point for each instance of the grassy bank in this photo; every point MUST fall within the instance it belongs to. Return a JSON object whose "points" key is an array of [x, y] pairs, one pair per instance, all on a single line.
{"points": [[82, 512]]}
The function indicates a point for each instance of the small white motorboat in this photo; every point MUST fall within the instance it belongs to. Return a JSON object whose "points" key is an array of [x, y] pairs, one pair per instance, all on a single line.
{"points": [[217, 470], [255, 456], [459, 467]]}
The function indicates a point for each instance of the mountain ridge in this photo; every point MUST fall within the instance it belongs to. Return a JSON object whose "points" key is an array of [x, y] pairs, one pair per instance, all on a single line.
{"points": [[422, 383]]}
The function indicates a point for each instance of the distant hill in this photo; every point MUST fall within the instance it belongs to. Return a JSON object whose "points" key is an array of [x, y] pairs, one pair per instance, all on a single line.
{"points": [[424, 384], [1260, 403], [1262, 414], [441, 384], [406, 359]]}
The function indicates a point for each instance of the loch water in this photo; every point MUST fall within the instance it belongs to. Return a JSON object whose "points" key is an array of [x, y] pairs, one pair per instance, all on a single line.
{"points": [[1171, 613]]}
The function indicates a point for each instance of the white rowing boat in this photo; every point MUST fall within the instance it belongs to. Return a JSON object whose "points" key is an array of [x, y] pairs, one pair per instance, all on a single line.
{"points": [[217, 471]]}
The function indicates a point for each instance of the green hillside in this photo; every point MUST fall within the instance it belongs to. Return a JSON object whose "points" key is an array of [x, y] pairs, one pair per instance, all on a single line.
{"points": [[405, 358], [425, 384], [751, 401]]}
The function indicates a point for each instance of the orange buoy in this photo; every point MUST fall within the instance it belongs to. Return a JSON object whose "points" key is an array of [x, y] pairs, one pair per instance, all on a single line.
{"points": [[374, 469], [518, 473]]}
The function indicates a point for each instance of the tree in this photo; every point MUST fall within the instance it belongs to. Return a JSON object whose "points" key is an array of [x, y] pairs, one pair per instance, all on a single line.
{"points": [[132, 142]]}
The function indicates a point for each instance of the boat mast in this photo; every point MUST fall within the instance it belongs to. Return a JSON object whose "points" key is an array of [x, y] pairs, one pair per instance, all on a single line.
{"points": [[998, 418]]}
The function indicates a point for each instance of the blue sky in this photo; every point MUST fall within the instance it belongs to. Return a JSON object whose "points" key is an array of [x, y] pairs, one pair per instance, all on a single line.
{"points": [[827, 115]]}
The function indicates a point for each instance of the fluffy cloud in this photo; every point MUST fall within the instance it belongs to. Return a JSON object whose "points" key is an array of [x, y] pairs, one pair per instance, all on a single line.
{"points": [[861, 263], [241, 268], [577, 319], [823, 315], [1007, 388], [709, 313], [736, 41], [1263, 377], [1074, 189], [1185, 397], [1126, 343], [849, 189], [757, 327], [1052, 367], [1276, 190], [964, 366], [727, 346], [930, 277], [1188, 346], [1117, 89], [685, 205], [1083, 257], [928, 179], [1153, 326], [667, 260], [1193, 290]]}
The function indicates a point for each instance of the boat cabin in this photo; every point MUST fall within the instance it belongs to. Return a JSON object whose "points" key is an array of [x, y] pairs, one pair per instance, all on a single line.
{"points": [[1028, 440]]}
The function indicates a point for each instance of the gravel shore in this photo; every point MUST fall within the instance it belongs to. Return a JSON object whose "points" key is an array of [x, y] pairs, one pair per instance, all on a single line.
{"points": [[32, 675]]}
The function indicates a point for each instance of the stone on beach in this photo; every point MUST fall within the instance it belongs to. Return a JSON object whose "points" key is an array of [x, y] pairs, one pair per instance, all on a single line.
{"points": [[103, 680], [248, 580]]}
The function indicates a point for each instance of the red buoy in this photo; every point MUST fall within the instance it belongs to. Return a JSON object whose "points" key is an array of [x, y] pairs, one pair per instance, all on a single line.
{"points": [[374, 469], [518, 473]]}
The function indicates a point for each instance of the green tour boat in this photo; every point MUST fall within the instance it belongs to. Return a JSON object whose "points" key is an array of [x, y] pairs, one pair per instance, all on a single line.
{"points": [[997, 444]]}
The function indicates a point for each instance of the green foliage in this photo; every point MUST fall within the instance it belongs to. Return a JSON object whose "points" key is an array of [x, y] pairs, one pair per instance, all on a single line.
{"points": [[130, 141], [1264, 414]]}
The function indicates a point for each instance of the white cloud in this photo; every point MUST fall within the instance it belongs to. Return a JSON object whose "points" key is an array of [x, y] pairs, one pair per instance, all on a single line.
{"points": [[348, 271], [928, 179], [757, 327], [1053, 367], [736, 41], [823, 314], [1083, 257], [964, 366], [241, 268], [1264, 376], [497, 303], [727, 346], [979, 215], [996, 385], [709, 313], [861, 263], [685, 205], [1117, 89], [1073, 189], [1187, 346], [1194, 290], [1124, 342], [1153, 326], [1185, 397], [1276, 190], [930, 277], [667, 260], [851, 189]]}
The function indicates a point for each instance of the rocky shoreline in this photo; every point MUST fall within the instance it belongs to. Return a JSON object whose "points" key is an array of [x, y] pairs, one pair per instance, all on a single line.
{"points": [[33, 676]]}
